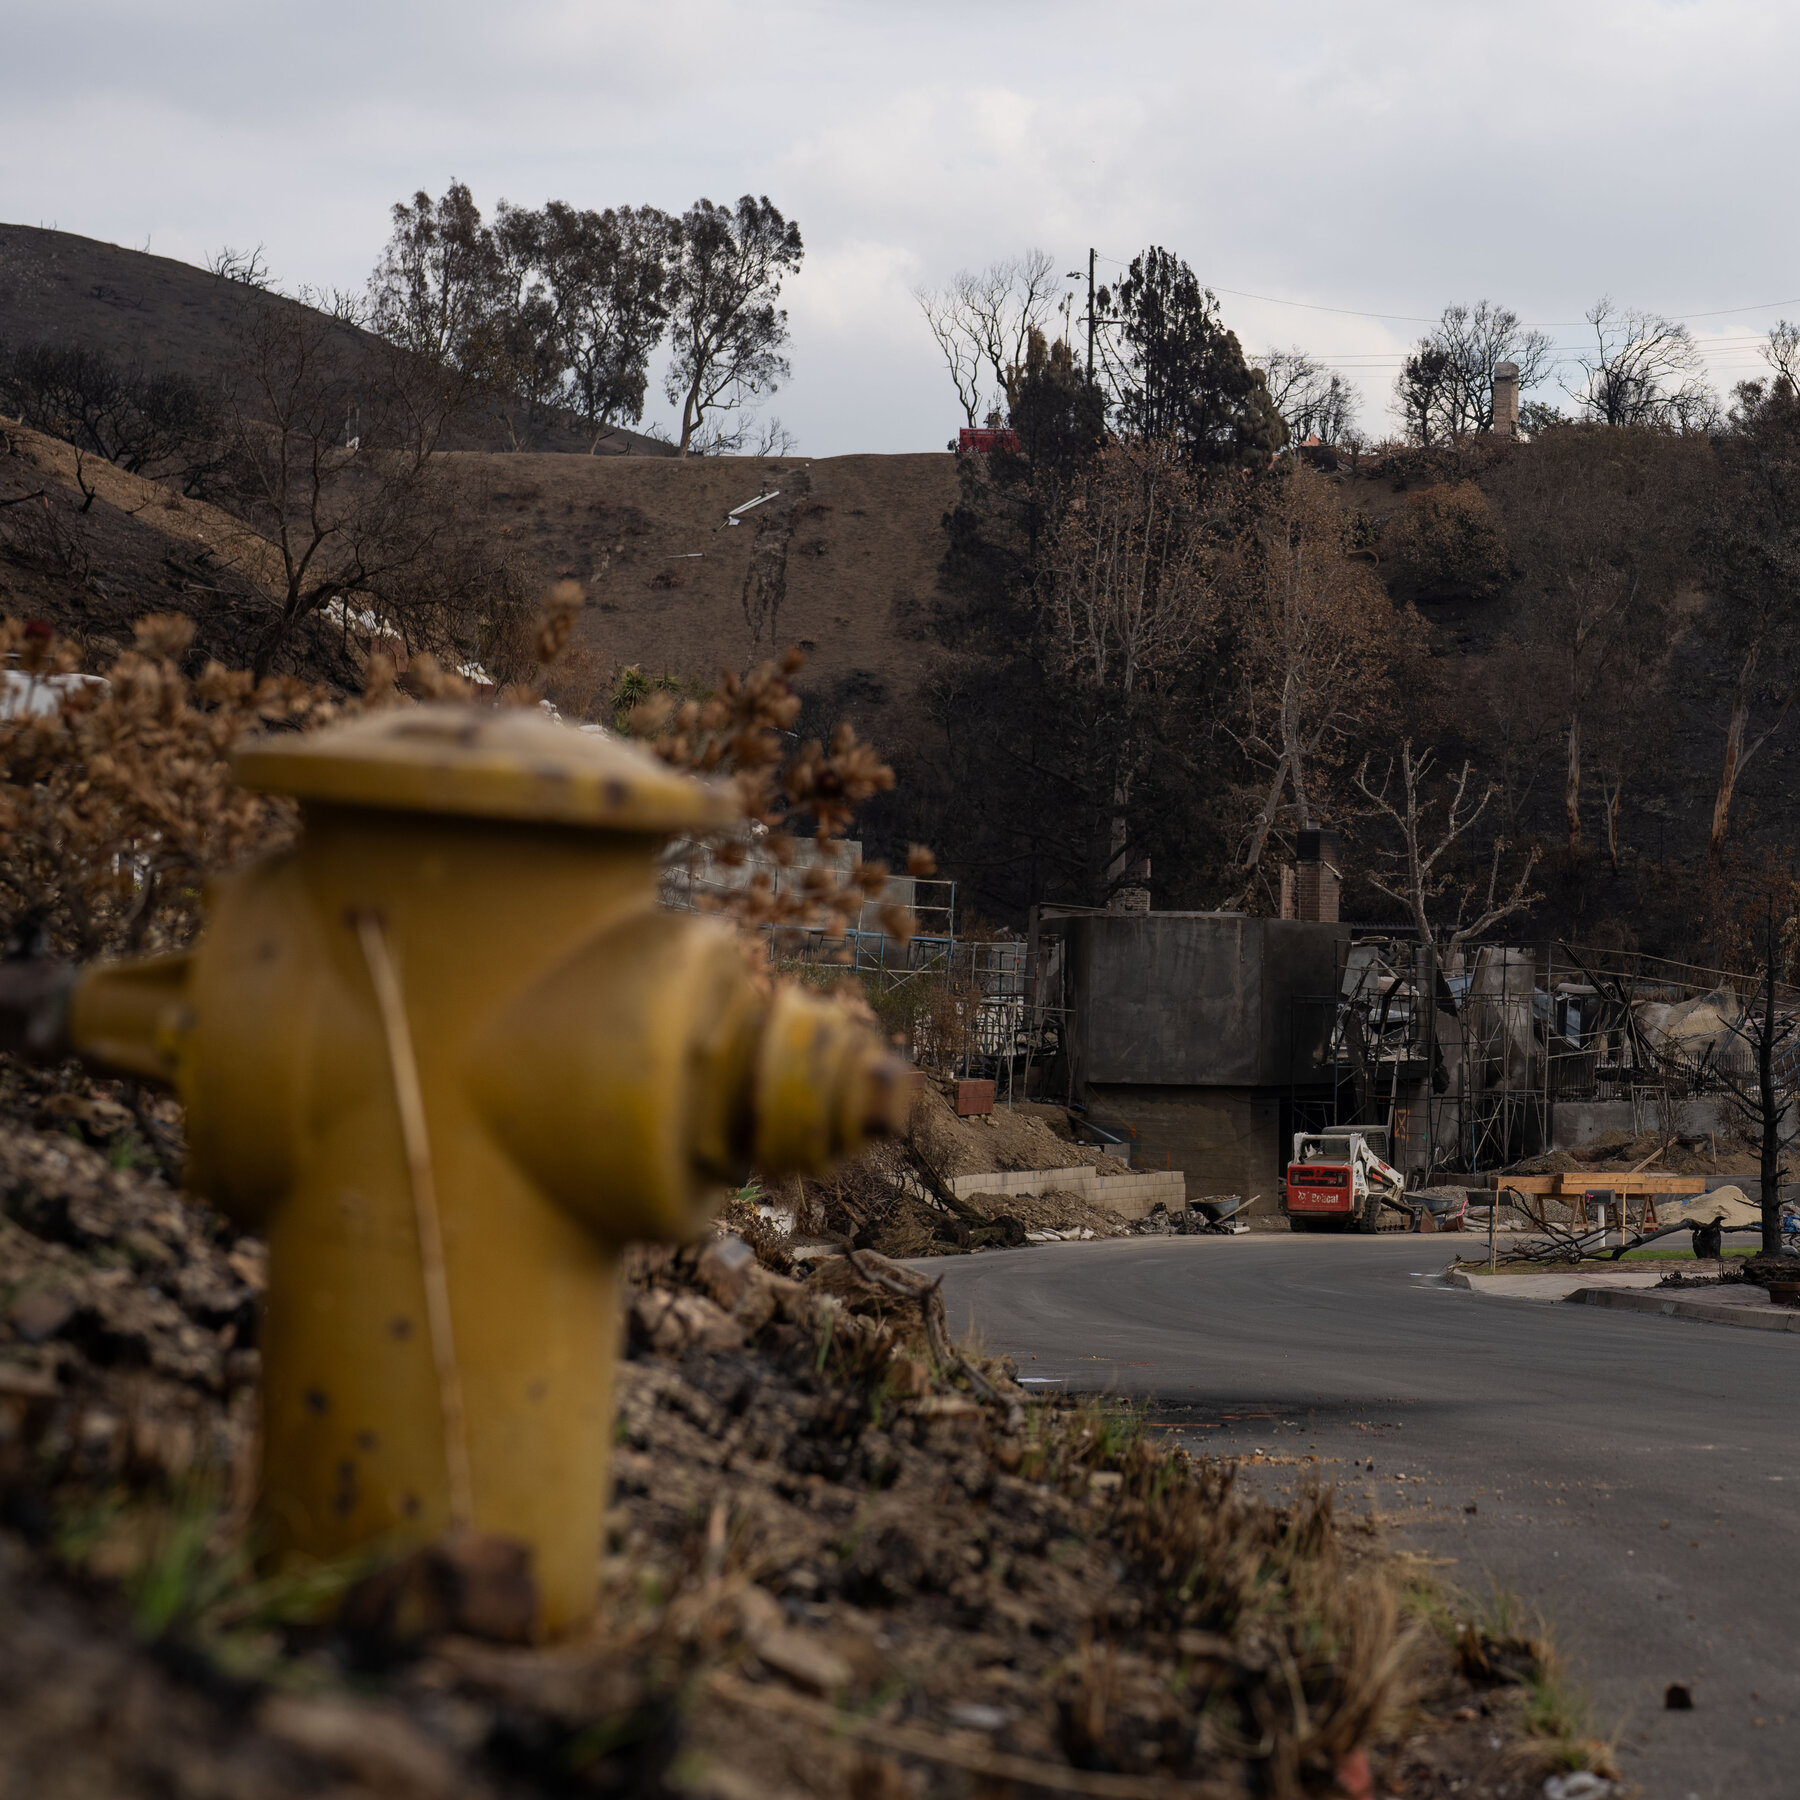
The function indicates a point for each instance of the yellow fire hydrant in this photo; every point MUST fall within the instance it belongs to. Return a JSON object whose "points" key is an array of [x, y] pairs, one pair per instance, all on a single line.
{"points": [[451, 1057]]}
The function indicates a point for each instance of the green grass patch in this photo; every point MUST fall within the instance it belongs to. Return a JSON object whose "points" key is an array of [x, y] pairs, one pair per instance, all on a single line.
{"points": [[1661, 1255]]}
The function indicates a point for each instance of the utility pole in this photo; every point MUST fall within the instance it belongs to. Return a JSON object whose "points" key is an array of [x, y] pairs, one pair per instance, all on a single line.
{"points": [[1075, 275], [1090, 312]]}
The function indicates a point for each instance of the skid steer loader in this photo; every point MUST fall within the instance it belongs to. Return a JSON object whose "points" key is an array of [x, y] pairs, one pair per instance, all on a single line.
{"points": [[1337, 1182]]}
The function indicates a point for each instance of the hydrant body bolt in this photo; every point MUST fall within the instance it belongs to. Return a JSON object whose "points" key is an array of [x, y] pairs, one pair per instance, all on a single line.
{"points": [[562, 1068]]}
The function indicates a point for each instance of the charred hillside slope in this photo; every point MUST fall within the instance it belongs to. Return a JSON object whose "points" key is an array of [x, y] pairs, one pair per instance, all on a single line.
{"points": [[162, 316]]}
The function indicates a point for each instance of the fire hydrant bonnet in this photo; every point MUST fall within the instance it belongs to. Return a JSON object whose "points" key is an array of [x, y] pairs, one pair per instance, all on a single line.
{"points": [[491, 763]]}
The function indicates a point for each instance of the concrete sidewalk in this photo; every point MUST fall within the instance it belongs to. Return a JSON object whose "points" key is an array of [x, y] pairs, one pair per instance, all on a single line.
{"points": [[1742, 1304], [1634, 1289], [1559, 1284]]}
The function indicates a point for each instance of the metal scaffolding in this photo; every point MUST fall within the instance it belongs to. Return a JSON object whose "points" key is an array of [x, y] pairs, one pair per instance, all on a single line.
{"points": [[1466, 1064]]}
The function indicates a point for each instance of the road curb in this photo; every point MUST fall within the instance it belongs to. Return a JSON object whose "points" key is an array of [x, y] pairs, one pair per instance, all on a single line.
{"points": [[1746, 1318]]}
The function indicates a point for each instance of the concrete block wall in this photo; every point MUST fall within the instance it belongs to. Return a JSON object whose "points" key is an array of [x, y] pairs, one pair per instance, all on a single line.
{"points": [[1131, 1196]]}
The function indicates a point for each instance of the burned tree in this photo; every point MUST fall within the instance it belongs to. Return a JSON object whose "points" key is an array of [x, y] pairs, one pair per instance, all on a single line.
{"points": [[1750, 545], [1764, 1097], [157, 424], [1599, 523], [984, 323], [1314, 632], [1126, 598], [1313, 401], [330, 439], [1643, 369], [1445, 389], [1431, 814]]}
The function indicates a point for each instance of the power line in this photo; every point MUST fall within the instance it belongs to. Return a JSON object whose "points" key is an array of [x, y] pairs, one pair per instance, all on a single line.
{"points": [[1351, 312]]}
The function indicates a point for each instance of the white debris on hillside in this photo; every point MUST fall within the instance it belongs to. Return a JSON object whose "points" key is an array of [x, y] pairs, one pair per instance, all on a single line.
{"points": [[24, 695]]}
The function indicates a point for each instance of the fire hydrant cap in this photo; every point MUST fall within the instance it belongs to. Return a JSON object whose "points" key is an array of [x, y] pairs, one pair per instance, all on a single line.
{"points": [[486, 762]]}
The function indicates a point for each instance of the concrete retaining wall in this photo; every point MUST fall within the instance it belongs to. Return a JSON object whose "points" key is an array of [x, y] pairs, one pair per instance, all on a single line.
{"points": [[1131, 1196], [1577, 1122]]}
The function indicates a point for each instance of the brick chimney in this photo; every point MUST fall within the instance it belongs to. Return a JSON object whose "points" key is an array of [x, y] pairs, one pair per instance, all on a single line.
{"points": [[1506, 400], [1318, 874]]}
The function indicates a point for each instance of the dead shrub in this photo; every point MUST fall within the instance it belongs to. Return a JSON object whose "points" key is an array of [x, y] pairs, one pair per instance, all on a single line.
{"points": [[1449, 544], [116, 799]]}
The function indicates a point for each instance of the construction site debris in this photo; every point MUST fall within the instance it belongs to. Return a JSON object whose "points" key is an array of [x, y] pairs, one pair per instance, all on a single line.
{"points": [[1620, 1152], [1211, 1217]]}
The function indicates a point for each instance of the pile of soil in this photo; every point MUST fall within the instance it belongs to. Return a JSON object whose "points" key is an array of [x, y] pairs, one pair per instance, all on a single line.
{"points": [[1619, 1152], [1026, 1136], [842, 1557], [1759, 1270], [902, 1223], [897, 1198]]}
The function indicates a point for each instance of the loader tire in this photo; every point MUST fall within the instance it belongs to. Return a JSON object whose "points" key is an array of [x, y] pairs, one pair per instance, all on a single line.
{"points": [[1368, 1221]]}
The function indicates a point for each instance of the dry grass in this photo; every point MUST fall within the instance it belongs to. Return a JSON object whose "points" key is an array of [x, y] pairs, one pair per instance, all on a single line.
{"points": [[861, 569]]}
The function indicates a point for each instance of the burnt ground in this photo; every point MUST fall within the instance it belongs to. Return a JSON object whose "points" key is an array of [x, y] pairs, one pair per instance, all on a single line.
{"points": [[847, 563], [93, 567], [844, 563], [841, 1558]]}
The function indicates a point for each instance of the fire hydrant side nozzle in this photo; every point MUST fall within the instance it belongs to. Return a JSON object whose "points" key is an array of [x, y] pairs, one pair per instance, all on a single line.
{"points": [[449, 1054]]}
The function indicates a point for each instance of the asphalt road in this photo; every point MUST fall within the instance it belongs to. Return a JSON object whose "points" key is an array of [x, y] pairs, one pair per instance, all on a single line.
{"points": [[1634, 1478]]}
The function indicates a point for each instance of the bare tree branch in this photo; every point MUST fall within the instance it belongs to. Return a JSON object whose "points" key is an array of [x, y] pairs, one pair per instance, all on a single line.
{"points": [[1417, 873]]}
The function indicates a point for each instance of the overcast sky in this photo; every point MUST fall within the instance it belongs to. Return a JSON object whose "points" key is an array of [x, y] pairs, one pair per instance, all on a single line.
{"points": [[1379, 158]]}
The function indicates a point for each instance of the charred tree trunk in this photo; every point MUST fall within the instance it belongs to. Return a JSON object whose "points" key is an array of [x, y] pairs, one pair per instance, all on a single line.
{"points": [[1770, 1170], [1572, 782], [1728, 774]]}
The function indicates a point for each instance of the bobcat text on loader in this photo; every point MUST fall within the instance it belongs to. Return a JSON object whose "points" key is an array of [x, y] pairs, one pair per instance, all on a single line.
{"points": [[1337, 1182]]}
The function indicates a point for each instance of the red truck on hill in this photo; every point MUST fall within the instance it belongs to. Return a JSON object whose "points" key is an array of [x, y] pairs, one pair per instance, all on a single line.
{"points": [[979, 440]]}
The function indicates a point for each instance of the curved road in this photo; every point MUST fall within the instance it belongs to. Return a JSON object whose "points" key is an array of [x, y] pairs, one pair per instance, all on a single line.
{"points": [[1635, 1478]]}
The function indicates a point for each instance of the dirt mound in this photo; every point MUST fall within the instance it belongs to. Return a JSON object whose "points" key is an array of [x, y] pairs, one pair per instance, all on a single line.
{"points": [[1027, 1136], [1621, 1152]]}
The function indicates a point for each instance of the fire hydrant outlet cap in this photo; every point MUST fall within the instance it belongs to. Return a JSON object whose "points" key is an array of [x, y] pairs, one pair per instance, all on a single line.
{"points": [[485, 762]]}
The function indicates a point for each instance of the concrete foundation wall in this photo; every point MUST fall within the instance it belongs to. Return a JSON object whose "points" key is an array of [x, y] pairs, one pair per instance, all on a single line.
{"points": [[1194, 998], [1132, 1196], [1221, 1140]]}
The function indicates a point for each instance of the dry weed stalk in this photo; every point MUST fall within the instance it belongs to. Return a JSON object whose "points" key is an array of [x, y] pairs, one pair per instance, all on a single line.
{"points": [[116, 799], [1293, 1660]]}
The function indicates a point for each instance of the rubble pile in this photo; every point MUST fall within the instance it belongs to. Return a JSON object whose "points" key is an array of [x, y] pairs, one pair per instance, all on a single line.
{"points": [[1756, 1269], [899, 1199], [1619, 1152], [1030, 1135]]}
